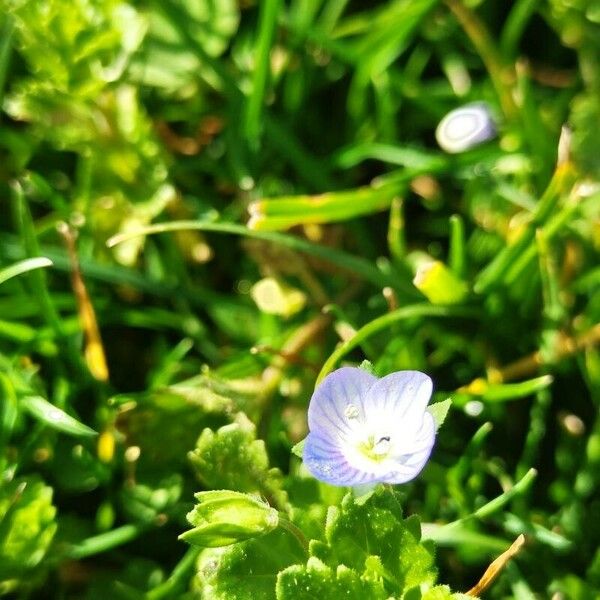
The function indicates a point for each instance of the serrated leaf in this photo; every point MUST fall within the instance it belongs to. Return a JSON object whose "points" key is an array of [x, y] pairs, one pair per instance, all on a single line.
{"points": [[354, 532], [363, 492], [416, 558], [247, 570], [439, 592], [200, 402], [317, 580], [439, 411], [54, 417], [309, 499], [232, 458]]}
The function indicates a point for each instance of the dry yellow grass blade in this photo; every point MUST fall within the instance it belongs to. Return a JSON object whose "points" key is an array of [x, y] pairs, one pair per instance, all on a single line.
{"points": [[93, 349], [494, 569]]}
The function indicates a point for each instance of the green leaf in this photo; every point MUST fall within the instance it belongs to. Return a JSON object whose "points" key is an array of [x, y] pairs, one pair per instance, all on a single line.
{"points": [[76, 467], [76, 45], [438, 592], [358, 265], [275, 214], [439, 411], [317, 580], [514, 391], [151, 496], [298, 449], [586, 145], [8, 410], [309, 499], [169, 59], [27, 525], [54, 417], [360, 530], [367, 365], [248, 569], [200, 402], [232, 458]]}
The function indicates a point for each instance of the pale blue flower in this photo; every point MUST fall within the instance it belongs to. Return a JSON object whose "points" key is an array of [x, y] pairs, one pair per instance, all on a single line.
{"points": [[366, 430]]}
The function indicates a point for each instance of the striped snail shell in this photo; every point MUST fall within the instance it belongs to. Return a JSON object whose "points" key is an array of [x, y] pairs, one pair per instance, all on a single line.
{"points": [[465, 127]]}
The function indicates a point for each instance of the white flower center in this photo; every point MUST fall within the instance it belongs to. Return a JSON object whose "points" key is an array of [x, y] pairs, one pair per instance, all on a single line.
{"points": [[376, 448], [382, 446]]}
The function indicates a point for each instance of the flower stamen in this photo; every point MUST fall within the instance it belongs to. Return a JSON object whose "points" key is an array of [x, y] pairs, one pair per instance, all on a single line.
{"points": [[376, 450], [382, 446]]}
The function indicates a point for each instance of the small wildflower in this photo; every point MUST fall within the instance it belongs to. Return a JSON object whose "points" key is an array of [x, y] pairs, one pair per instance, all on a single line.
{"points": [[368, 430]]}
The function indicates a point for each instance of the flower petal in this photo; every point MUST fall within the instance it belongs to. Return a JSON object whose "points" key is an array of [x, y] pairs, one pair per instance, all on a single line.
{"points": [[337, 406], [326, 462], [399, 398], [407, 467]]}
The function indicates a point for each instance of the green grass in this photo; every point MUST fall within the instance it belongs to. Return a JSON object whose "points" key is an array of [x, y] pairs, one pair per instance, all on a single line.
{"points": [[196, 148]]}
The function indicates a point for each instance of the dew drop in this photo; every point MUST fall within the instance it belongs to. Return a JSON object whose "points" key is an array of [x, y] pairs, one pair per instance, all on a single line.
{"points": [[351, 411]]}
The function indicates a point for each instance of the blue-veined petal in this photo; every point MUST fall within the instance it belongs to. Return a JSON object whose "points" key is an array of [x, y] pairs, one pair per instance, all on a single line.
{"points": [[407, 467], [337, 405], [399, 400], [326, 461]]}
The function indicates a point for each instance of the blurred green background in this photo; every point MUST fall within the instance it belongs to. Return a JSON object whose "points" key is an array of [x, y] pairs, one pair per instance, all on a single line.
{"points": [[134, 375]]}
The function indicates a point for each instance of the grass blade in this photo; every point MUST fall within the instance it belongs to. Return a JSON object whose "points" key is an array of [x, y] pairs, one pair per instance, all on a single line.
{"points": [[23, 266], [354, 264], [54, 417], [269, 10]]}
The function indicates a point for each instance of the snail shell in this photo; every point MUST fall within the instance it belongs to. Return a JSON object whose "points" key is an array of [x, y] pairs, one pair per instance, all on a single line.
{"points": [[465, 127]]}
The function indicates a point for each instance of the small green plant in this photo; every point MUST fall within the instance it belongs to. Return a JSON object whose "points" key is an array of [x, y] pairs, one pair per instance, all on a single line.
{"points": [[212, 210]]}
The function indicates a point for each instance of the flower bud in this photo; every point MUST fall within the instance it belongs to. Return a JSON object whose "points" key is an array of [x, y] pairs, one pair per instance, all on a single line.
{"points": [[224, 517], [465, 127], [437, 282]]}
